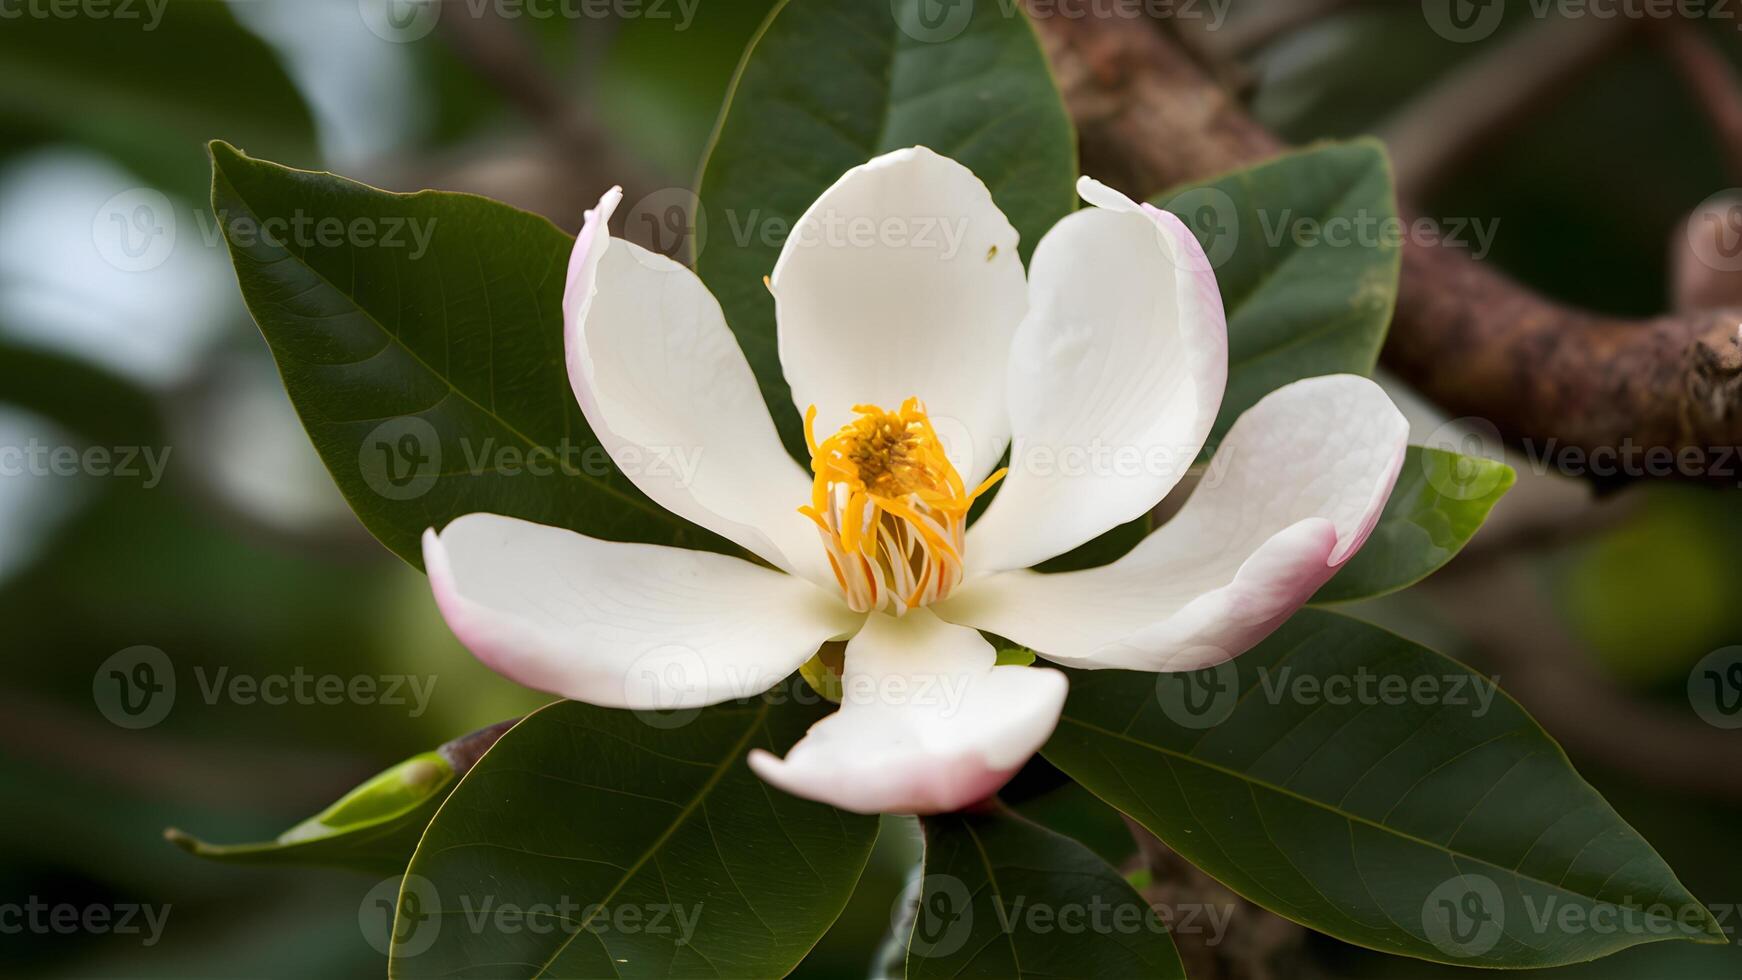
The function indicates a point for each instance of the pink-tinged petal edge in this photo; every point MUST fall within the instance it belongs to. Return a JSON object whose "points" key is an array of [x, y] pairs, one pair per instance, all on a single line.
{"points": [[661, 379], [623, 625], [918, 754], [1117, 305], [1310, 470]]}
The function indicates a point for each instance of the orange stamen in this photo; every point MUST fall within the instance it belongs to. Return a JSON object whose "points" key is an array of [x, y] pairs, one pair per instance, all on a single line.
{"points": [[890, 507]]}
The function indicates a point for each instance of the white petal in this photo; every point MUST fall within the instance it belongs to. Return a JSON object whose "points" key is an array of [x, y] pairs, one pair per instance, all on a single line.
{"points": [[669, 395], [1293, 491], [902, 280], [623, 625], [1115, 379], [927, 724]]}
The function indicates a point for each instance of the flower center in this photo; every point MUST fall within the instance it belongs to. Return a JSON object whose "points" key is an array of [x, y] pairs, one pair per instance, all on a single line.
{"points": [[891, 508]]}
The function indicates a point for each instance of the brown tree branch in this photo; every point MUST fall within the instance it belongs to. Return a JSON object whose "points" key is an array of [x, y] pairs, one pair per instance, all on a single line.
{"points": [[1710, 80], [1470, 338]]}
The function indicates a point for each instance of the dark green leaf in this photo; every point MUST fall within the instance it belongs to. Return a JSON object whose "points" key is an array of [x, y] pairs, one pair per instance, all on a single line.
{"points": [[601, 843], [95, 403], [1369, 788], [1306, 255], [1440, 501], [829, 84], [424, 353], [1104, 550], [374, 827], [1005, 898], [117, 84]]}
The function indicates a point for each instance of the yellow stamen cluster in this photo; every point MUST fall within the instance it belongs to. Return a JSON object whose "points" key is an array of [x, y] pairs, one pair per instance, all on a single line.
{"points": [[890, 506]]}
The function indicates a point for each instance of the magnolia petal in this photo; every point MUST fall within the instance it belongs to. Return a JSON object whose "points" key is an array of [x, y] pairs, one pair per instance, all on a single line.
{"points": [[902, 280], [670, 396], [623, 625], [1294, 490], [1116, 376], [927, 723]]}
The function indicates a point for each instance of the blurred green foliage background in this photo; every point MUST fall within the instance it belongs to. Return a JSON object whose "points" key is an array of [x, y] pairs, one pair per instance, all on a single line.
{"points": [[244, 558]]}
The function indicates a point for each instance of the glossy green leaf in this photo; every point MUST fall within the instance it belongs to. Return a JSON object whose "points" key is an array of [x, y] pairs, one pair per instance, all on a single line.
{"points": [[1438, 505], [599, 843], [1004, 898], [420, 337], [375, 827], [1367, 787], [827, 85], [1306, 252]]}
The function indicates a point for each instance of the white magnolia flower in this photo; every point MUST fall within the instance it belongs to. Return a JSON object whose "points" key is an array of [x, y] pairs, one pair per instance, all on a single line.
{"points": [[915, 359]]}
